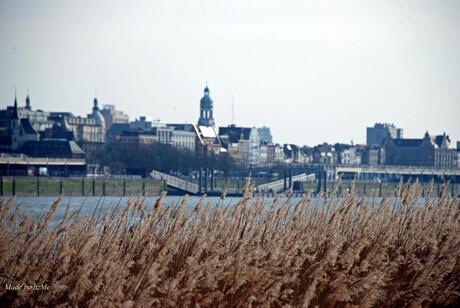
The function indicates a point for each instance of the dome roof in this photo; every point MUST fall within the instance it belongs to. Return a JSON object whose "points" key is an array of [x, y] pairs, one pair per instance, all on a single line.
{"points": [[206, 101], [96, 114]]}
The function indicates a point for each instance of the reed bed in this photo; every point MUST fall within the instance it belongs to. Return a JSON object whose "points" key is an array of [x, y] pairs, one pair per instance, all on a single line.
{"points": [[350, 251]]}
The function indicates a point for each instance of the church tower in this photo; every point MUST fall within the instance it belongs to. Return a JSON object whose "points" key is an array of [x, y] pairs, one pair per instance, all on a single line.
{"points": [[28, 105], [206, 106]]}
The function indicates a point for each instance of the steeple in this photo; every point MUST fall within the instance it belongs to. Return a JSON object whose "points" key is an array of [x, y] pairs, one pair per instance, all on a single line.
{"points": [[28, 106], [15, 107], [206, 109], [95, 107], [96, 114]]}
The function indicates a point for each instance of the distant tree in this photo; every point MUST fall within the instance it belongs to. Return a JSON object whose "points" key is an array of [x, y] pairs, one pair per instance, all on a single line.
{"points": [[162, 157]]}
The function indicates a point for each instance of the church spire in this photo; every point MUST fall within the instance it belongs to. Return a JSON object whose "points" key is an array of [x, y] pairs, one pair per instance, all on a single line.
{"points": [[15, 98], [206, 109], [15, 107], [28, 106], [95, 104]]}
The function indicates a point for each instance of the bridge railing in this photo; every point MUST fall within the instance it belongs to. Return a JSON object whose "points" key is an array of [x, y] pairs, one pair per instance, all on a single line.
{"points": [[279, 184], [175, 181], [398, 170], [24, 160]]}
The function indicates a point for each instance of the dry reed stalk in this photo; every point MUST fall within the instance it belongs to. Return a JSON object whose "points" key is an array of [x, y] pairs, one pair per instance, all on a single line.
{"points": [[346, 251]]}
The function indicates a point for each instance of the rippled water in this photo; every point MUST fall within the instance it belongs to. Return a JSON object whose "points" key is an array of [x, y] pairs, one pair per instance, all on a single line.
{"points": [[89, 206]]}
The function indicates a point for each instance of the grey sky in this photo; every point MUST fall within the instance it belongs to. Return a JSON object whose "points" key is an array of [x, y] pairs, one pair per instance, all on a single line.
{"points": [[311, 70]]}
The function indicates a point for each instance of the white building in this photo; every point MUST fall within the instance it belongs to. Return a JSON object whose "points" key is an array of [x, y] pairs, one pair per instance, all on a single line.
{"points": [[183, 139], [243, 152], [90, 129], [263, 154], [254, 146], [279, 154], [164, 134], [350, 157], [112, 115]]}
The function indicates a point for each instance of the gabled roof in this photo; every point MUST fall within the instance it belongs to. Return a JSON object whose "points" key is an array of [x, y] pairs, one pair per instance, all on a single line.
{"points": [[27, 127], [407, 142], [290, 150], [325, 147], [440, 139], [74, 148], [52, 148], [207, 132], [307, 150]]}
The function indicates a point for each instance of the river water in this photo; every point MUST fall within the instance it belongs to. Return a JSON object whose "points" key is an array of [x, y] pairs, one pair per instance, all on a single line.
{"points": [[88, 206]]}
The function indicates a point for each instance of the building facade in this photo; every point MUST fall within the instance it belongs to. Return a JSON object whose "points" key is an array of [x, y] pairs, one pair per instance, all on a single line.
{"points": [[141, 123], [376, 134], [112, 115], [16, 130], [164, 134], [375, 156], [350, 157], [263, 154], [254, 147], [90, 129], [324, 154], [265, 135], [271, 149], [39, 119], [138, 137], [183, 139], [243, 152], [430, 151], [233, 133]]}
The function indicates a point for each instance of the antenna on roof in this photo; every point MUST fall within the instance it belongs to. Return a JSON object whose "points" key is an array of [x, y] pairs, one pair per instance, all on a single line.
{"points": [[95, 90]]}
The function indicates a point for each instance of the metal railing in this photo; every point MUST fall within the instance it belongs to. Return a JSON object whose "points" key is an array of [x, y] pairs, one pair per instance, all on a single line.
{"points": [[24, 160], [175, 182], [278, 185], [399, 170]]}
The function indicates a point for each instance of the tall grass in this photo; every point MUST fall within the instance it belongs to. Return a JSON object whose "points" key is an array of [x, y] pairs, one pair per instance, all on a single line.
{"points": [[347, 252]]}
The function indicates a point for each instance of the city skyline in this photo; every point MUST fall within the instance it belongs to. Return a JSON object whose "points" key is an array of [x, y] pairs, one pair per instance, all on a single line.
{"points": [[313, 72]]}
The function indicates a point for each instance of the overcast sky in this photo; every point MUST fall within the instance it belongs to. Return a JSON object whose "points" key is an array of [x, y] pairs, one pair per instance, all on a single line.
{"points": [[312, 71]]}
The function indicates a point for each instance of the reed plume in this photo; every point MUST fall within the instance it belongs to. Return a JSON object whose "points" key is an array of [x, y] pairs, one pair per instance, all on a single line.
{"points": [[326, 252]]}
